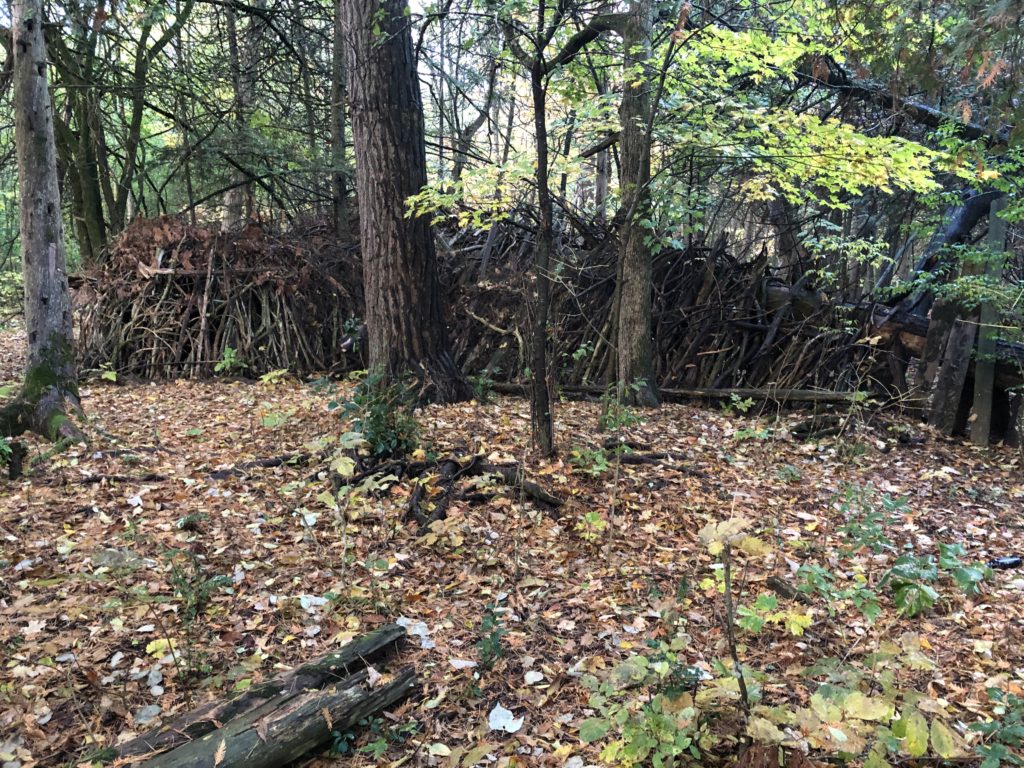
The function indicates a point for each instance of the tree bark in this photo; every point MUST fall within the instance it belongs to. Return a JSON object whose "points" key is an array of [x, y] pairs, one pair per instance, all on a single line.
{"points": [[404, 304], [269, 695], [339, 177], [288, 727], [50, 387], [988, 333], [634, 353], [244, 57], [540, 398]]}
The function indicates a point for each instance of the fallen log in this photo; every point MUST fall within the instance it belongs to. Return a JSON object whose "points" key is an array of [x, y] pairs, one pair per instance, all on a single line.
{"points": [[288, 726], [672, 394], [281, 701]]}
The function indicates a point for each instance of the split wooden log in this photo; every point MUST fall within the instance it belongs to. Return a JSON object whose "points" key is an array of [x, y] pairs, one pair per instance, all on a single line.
{"points": [[284, 714], [288, 726]]}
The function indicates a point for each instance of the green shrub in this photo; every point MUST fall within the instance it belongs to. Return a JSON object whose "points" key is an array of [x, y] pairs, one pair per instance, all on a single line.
{"points": [[384, 415]]}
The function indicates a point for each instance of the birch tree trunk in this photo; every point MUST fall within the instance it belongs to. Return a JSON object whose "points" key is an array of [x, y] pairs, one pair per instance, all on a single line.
{"points": [[50, 387]]}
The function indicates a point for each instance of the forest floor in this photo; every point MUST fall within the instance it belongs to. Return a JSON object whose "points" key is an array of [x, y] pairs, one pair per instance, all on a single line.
{"points": [[106, 550]]}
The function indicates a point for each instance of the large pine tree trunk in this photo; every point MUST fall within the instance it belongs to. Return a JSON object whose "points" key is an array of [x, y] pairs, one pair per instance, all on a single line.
{"points": [[50, 379], [634, 352], [404, 304]]}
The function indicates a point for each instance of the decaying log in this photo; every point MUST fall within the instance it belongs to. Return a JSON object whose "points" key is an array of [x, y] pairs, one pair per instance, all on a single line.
{"points": [[289, 725], [279, 700]]}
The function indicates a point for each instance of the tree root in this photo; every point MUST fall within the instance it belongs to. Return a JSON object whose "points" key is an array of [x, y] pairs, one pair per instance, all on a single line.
{"points": [[45, 413], [435, 483]]}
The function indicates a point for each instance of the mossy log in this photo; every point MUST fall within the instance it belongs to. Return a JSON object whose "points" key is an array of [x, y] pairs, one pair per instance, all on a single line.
{"points": [[285, 699]]}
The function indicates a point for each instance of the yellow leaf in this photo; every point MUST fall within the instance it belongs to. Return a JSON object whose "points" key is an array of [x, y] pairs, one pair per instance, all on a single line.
{"points": [[945, 742], [753, 546], [160, 647], [764, 731], [796, 623], [862, 707], [917, 734]]}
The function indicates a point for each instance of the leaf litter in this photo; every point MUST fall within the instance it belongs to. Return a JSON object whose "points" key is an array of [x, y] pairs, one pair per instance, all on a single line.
{"points": [[125, 599]]}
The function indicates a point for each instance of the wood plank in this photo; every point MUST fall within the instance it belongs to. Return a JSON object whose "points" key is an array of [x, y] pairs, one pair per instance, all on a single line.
{"points": [[944, 403], [985, 359]]}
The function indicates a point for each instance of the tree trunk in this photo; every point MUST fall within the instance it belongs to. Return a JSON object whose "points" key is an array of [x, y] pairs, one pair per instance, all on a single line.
{"points": [[540, 398], [289, 727], [634, 353], [404, 303], [339, 178], [50, 387], [988, 332], [244, 57]]}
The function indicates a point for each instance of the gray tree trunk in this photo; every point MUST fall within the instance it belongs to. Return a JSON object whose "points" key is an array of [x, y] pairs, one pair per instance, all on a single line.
{"points": [[339, 178], [634, 353], [50, 377], [244, 54]]}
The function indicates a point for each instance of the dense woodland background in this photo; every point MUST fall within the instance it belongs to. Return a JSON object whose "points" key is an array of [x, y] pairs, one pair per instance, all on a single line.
{"points": [[784, 177], [274, 276]]}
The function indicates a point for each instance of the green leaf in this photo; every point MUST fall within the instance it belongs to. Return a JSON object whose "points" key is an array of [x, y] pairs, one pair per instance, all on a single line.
{"points": [[917, 734], [593, 728]]}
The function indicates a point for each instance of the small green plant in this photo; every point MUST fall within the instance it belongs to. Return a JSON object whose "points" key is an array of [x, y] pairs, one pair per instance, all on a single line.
{"points": [[615, 415], [193, 586], [270, 378], [911, 578], [230, 362], [590, 461], [107, 373], [383, 413], [646, 705], [1004, 733], [789, 474], [765, 610], [483, 386], [814, 579], [492, 630], [273, 419], [752, 433], [591, 526], [583, 351], [868, 515], [6, 452], [736, 404]]}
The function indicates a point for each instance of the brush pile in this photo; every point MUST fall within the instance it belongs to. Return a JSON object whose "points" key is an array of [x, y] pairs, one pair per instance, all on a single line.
{"points": [[172, 299]]}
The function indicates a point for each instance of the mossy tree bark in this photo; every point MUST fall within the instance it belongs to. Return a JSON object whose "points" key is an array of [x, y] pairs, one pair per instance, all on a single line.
{"points": [[50, 388], [404, 304]]}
